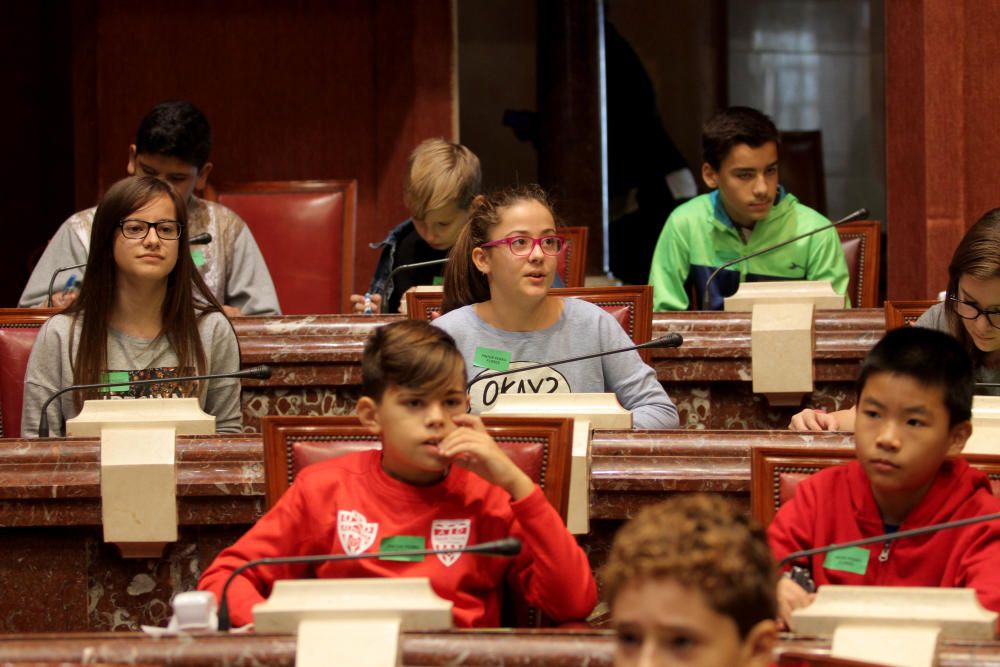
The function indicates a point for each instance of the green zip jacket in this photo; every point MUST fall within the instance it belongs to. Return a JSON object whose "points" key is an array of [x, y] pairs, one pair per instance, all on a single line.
{"points": [[699, 237]]}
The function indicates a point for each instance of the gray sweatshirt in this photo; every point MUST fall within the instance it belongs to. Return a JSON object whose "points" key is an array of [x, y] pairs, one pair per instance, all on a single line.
{"points": [[232, 265], [130, 358], [582, 329]]}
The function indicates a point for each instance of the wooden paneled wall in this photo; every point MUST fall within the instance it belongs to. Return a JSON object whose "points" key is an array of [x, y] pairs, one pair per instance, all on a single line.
{"points": [[294, 90], [942, 141]]}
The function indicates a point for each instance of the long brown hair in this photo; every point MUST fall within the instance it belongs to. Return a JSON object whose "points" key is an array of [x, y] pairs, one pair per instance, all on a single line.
{"points": [[181, 310], [978, 255], [464, 284]]}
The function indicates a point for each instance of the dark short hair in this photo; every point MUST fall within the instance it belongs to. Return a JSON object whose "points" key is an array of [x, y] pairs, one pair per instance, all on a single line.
{"points": [[704, 543], [732, 126], [176, 129], [929, 357], [411, 353]]}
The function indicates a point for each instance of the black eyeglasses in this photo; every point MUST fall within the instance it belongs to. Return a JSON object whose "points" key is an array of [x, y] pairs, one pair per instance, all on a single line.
{"points": [[134, 228], [970, 311]]}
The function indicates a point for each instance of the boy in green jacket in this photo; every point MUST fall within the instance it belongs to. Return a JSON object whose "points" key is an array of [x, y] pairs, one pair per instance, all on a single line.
{"points": [[746, 211]]}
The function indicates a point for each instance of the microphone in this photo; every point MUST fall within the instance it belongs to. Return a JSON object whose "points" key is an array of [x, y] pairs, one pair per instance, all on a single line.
{"points": [[415, 265], [257, 373], [670, 340], [52, 281], [508, 546], [860, 214], [888, 537], [197, 239]]}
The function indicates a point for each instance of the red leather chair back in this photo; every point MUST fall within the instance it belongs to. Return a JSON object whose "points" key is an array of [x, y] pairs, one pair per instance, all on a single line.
{"points": [[305, 229], [776, 471], [861, 242], [18, 329]]}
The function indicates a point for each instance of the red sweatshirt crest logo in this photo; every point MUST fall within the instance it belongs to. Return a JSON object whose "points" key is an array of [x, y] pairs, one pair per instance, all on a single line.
{"points": [[450, 534], [354, 531]]}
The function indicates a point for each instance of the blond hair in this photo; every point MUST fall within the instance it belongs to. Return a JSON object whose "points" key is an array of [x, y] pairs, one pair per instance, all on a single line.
{"points": [[440, 173], [703, 543]]}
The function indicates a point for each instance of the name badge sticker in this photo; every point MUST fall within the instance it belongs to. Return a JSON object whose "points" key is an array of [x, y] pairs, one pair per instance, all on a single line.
{"points": [[402, 543], [496, 360], [851, 559], [114, 376], [198, 256]]}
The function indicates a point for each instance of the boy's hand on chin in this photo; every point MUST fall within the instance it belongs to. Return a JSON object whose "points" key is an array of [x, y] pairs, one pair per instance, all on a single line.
{"points": [[472, 447]]}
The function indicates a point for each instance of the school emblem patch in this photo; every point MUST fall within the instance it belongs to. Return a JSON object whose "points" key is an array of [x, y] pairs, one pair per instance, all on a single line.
{"points": [[354, 531], [450, 534]]}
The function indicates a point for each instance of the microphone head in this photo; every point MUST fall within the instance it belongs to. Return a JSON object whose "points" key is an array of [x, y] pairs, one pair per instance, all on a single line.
{"points": [[508, 546], [200, 239], [262, 372], [670, 340]]}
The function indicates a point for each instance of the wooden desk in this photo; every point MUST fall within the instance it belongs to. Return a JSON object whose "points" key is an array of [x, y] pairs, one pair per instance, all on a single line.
{"points": [[539, 648], [53, 548], [316, 362]]}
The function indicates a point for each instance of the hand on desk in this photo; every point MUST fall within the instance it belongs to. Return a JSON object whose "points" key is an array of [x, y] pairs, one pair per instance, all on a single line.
{"points": [[359, 303], [819, 420], [791, 596]]}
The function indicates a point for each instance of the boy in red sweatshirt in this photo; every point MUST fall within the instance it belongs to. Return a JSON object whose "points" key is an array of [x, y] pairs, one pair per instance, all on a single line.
{"points": [[914, 406], [440, 480], [690, 581]]}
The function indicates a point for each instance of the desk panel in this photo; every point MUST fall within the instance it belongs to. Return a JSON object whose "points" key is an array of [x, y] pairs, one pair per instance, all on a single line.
{"points": [[53, 547], [316, 365], [538, 648]]}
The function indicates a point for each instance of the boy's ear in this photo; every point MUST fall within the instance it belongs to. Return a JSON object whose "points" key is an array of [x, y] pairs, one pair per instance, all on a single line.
{"points": [[758, 647], [367, 410], [709, 175], [479, 260], [203, 173], [130, 168], [958, 436]]}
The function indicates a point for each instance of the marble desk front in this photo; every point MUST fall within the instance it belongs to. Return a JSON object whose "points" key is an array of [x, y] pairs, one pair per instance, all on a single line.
{"points": [[53, 550], [316, 362], [539, 648]]}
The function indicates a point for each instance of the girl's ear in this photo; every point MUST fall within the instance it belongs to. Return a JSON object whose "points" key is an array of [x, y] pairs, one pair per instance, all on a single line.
{"points": [[481, 260]]}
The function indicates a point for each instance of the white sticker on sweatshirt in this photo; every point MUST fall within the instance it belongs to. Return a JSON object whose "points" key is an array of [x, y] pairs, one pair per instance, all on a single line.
{"points": [[354, 531], [450, 534], [484, 393]]}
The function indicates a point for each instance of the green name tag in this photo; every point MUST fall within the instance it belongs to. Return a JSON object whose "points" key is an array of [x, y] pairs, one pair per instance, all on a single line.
{"points": [[438, 280], [116, 376], [851, 559], [496, 360], [199, 257], [401, 543]]}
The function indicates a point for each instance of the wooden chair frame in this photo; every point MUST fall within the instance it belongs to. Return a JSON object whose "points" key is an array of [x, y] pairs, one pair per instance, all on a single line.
{"points": [[576, 254], [768, 463], [280, 432], [349, 187], [865, 294], [904, 313], [637, 298]]}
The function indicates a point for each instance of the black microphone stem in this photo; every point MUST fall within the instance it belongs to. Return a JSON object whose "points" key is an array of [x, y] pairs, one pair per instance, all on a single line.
{"points": [[889, 537], [259, 372], [670, 340], [857, 215], [509, 546]]}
